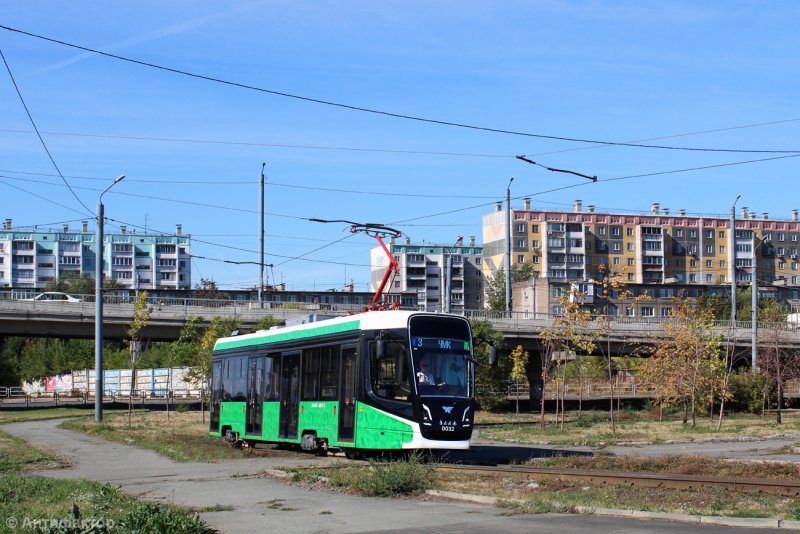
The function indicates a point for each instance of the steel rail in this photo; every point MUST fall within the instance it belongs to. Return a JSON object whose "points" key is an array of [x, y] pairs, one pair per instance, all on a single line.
{"points": [[650, 480]]}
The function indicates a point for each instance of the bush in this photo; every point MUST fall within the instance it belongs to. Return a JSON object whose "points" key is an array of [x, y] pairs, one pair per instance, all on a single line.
{"points": [[747, 390], [406, 477], [150, 518]]}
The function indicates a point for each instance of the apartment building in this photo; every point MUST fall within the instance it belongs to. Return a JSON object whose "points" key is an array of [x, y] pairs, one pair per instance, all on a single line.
{"points": [[655, 248], [432, 277], [32, 258]]}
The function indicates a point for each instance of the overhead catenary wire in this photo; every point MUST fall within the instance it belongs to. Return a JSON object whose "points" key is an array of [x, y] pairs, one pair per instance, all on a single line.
{"points": [[39, 135], [377, 111]]}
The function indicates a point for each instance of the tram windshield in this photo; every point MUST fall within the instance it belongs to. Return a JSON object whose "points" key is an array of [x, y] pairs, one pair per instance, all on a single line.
{"points": [[441, 366]]}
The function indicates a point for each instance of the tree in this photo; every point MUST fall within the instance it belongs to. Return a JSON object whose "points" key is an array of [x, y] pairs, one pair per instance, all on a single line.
{"points": [[141, 315], [79, 284], [207, 289], [569, 335], [519, 361], [685, 367], [266, 322], [778, 362], [613, 296], [201, 361], [496, 287], [491, 381]]}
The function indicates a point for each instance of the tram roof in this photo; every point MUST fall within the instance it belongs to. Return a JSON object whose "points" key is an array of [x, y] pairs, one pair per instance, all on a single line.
{"points": [[371, 320]]}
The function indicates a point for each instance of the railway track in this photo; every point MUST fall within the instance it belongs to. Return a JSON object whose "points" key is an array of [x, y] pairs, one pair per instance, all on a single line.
{"points": [[650, 480]]}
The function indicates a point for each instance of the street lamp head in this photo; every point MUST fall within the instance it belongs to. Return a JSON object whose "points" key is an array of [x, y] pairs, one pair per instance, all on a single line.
{"points": [[737, 200], [119, 178]]}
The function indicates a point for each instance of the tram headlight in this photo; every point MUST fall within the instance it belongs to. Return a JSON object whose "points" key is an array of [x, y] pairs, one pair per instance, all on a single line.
{"points": [[465, 419], [427, 418]]}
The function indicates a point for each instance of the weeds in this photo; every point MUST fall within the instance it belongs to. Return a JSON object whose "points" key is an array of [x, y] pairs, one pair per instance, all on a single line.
{"points": [[390, 479]]}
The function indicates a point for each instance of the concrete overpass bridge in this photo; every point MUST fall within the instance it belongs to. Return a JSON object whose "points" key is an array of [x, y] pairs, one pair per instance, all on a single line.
{"points": [[76, 320]]}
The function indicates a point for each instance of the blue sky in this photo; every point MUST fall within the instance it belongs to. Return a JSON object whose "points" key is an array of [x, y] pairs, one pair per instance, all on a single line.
{"points": [[609, 71]]}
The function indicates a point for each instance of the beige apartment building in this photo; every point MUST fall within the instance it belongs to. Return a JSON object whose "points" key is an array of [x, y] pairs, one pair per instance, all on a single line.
{"points": [[658, 248]]}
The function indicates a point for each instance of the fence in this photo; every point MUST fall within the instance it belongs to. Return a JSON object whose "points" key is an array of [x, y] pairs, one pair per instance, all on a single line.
{"points": [[15, 397]]}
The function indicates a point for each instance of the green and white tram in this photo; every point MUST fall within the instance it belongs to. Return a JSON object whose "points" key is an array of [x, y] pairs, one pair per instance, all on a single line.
{"points": [[375, 381]]}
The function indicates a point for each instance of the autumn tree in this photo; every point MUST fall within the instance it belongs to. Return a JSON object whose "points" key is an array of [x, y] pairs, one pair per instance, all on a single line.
{"points": [[778, 362], [141, 315], [612, 298], [570, 334], [685, 367], [519, 362], [201, 362]]}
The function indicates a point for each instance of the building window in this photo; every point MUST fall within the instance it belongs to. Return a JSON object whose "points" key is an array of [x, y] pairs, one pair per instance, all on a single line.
{"points": [[710, 278], [721, 264], [709, 249], [781, 236], [535, 243], [629, 231], [601, 230], [535, 228], [692, 234], [781, 265], [631, 262], [616, 246], [709, 264], [648, 311], [520, 259], [630, 247], [630, 311], [520, 243], [616, 261], [709, 234], [722, 234], [521, 228], [616, 231], [679, 232], [536, 259], [630, 277], [722, 249], [666, 311]]}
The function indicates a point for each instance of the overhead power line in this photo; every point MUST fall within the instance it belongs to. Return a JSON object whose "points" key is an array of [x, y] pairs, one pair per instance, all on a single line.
{"points": [[39, 135], [377, 111]]}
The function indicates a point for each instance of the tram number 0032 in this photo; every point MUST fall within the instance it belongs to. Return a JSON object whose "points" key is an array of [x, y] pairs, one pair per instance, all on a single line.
{"points": [[448, 429]]}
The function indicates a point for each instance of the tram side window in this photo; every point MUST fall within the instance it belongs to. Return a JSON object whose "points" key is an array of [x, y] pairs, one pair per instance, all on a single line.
{"points": [[330, 373], [271, 378], [389, 375], [311, 360], [234, 380]]}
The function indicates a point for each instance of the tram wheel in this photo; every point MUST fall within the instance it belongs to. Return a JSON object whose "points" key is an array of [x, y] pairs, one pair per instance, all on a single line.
{"points": [[352, 454]]}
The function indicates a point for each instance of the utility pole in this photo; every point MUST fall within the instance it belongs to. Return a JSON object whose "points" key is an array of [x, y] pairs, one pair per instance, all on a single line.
{"points": [[754, 312], [733, 261], [261, 234], [508, 248]]}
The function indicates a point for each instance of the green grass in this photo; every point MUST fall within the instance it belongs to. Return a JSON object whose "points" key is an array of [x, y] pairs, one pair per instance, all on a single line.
{"points": [[39, 414], [16, 456], [34, 503], [183, 438], [411, 476]]}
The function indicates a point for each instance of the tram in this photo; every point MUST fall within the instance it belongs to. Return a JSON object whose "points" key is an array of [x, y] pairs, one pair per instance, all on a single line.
{"points": [[385, 380]]}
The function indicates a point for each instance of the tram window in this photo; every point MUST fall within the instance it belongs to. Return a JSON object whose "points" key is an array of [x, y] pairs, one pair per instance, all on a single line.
{"points": [[330, 373], [311, 360], [271, 378], [390, 376], [234, 381]]}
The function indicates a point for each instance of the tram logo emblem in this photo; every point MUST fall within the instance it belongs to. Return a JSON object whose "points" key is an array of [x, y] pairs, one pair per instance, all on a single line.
{"points": [[447, 409]]}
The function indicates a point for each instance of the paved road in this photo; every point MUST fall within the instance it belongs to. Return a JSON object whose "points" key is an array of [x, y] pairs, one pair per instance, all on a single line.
{"points": [[267, 505]]}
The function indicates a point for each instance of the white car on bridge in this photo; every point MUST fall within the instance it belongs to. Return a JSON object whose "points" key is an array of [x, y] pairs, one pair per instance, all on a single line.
{"points": [[55, 296]]}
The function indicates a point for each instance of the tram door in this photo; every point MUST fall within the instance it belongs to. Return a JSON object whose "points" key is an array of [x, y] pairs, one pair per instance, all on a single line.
{"points": [[255, 395], [290, 395], [216, 394], [347, 404]]}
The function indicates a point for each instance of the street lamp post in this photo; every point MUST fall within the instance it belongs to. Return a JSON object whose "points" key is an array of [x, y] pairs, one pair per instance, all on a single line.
{"points": [[98, 306]]}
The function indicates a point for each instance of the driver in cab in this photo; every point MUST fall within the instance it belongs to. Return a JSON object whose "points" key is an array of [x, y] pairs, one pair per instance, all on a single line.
{"points": [[424, 375]]}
